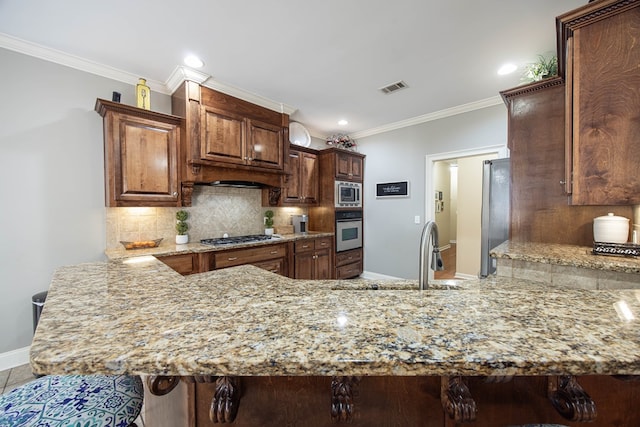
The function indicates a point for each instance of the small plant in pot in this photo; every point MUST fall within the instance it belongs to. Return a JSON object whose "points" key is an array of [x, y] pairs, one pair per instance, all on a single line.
{"points": [[181, 227], [268, 223]]}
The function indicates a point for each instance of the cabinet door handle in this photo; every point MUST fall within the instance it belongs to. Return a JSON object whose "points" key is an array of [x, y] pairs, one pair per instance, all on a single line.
{"points": [[175, 194], [232, 258], [274, 252], [305, 246]]}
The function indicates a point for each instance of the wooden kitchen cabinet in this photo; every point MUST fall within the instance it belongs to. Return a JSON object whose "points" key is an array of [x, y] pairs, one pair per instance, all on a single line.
{"points": [[301, 186], [349, 264], [231, 138], [228, 139], [184, 264], [312, 259], [349, 166], [223, 136], [272, 257], [141, 149], [602, 81], [540, 211]]}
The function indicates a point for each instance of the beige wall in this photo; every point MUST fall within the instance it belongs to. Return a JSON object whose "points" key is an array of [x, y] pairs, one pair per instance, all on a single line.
{"points": [[442, 183], [469, 214]]}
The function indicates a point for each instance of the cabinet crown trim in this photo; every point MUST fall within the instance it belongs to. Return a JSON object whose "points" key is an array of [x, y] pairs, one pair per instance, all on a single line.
{"points": [[102, 106]]}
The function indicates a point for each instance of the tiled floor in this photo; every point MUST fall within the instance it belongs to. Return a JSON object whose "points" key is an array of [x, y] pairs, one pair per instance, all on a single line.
{"points": [[20, 375]]}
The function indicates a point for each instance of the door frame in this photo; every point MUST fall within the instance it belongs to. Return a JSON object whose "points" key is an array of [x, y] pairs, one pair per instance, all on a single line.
{"points": [[430, 206]]}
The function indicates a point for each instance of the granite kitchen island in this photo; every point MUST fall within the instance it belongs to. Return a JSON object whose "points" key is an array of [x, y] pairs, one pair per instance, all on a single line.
{"points": [[288, 344]]}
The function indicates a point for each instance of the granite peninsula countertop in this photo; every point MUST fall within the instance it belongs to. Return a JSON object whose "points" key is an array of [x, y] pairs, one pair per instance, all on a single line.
{"points": [[167, 248], [567, 255], [138, 316]]}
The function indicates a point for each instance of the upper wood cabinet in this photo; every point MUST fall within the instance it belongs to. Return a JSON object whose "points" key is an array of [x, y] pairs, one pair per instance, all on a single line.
{"points": [[603, 100], [141, 156], [231, 138], [226, 138], [536, 136], [349, 166], [301, 186]]}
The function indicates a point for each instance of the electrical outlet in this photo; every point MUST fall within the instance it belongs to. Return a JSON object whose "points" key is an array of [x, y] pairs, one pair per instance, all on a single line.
{"points": [[416, 219]]}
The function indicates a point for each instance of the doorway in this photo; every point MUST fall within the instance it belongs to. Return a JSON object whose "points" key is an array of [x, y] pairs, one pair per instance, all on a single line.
{"points": [[454, 201]]}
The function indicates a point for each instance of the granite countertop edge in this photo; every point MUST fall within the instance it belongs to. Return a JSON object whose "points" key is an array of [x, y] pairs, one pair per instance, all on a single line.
{"points": [[138, 316], [168, 248], [565, 255]]}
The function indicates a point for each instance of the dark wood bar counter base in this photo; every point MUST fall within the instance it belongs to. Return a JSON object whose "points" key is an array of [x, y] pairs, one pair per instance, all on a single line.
{"points": [[403, 401]]}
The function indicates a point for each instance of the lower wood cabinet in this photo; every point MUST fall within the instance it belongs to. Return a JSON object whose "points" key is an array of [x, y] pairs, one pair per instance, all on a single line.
{"points": [[183, 264], [312, 259], [269, 257], [349, 264]]}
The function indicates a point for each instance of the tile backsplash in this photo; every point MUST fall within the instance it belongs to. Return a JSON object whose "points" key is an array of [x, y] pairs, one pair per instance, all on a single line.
{"points": [[214, 211]]}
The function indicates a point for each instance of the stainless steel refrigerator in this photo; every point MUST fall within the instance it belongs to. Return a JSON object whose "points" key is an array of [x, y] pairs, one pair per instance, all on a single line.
{"points": [[495, 210]]}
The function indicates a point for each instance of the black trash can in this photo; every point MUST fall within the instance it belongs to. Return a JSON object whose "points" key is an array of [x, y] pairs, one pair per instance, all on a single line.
{"points": [[38, 303]]}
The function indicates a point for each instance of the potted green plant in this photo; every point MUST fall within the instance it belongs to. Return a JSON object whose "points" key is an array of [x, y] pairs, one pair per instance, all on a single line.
{"points": [[544, 68], [268, 222], [181, 227]]}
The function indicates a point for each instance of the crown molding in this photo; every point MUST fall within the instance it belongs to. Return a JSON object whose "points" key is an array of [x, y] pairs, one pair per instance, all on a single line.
{"points": [[181, 74], [75, 62], [448, 112]]}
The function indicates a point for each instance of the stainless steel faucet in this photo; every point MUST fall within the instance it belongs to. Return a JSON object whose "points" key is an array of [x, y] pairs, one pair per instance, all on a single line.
{"points": [[429, 232]]}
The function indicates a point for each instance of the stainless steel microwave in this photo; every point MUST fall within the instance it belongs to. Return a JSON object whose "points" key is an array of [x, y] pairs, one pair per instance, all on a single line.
{"points": [[348, 194]]}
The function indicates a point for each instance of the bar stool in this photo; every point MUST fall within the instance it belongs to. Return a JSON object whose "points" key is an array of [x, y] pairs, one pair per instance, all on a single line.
{"points": [[74, 400]]}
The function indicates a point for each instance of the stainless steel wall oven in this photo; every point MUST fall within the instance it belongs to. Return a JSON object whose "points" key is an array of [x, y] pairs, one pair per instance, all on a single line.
{"points": [[348, 230]]}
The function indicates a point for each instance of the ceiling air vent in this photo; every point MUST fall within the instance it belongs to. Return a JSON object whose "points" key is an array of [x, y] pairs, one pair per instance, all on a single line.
{"points": [[394, 87]]}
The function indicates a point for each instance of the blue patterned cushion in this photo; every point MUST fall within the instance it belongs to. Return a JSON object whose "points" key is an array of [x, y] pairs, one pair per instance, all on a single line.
{"points": [[73, 401]]}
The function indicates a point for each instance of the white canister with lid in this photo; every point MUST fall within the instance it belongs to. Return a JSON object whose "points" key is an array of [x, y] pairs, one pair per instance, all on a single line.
{"points": [[611, 229]]}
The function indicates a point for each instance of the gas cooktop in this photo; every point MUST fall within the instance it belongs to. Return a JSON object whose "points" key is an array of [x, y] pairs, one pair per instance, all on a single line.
{"points": [[235, 240]]}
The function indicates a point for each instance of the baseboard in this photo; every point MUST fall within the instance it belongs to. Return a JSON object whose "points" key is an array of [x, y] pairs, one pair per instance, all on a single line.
{"points": [[14, 358], [370, 275], [444, 248]]}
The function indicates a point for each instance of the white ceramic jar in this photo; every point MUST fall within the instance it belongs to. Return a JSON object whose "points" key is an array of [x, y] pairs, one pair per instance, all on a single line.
{"points": [[611, 229]]}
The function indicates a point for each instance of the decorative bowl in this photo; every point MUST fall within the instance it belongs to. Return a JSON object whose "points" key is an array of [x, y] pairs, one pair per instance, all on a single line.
{"points": [[143, 244]]}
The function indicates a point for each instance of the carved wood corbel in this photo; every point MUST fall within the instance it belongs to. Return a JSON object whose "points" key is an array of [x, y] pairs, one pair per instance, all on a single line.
{"points": [[456, 400], [159, 385], [187, 193], [570, 400], [226, 399], [274, 195], [342, 391]]}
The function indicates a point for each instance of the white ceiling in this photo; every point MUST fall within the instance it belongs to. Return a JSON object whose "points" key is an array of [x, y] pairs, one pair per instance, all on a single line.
{"points": [[325, 58]]}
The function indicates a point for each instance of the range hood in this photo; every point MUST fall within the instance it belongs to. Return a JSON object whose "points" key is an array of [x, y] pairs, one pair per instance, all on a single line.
{"points": [[236, 184]]}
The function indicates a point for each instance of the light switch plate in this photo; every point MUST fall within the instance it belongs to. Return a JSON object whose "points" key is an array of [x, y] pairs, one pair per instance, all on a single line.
{"points": [[416, 219]]}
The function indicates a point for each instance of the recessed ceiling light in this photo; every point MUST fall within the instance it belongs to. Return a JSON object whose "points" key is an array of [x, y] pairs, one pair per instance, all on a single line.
{"points": [[507, 69], [193, 61], [343, 122]]}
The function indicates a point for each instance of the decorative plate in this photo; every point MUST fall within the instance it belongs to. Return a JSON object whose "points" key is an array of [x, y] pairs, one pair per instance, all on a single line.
{"points": [[299, 135], [142, 244]]}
